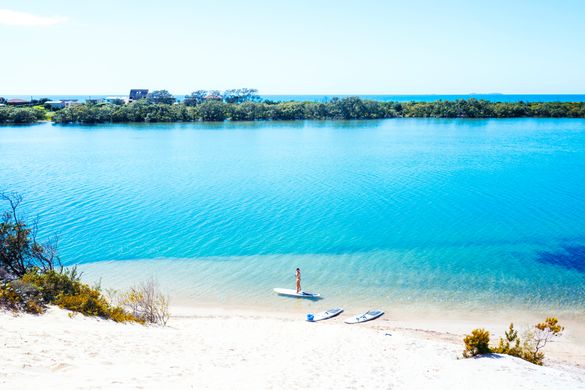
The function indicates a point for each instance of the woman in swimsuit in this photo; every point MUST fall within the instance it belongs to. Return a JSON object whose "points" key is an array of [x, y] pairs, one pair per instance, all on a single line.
{"points": [[298, 280]]}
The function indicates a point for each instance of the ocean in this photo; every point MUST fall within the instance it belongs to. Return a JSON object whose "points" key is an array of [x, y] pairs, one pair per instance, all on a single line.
{"points": [[495, 97]]}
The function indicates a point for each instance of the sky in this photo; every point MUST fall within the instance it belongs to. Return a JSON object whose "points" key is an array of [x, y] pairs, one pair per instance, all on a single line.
{"points": [[293, 47]]}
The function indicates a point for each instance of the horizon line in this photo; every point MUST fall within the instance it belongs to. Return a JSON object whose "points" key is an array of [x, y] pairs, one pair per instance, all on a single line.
{"points": [[313, 94]]}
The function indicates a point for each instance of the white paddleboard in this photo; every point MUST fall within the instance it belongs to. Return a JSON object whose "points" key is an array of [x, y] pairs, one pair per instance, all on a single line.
{"points": [[289, 292], [367, 316], [325, 315]]}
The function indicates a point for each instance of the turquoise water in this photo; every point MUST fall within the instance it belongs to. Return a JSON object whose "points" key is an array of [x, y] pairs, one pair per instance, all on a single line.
{"points": [[454, 212]]}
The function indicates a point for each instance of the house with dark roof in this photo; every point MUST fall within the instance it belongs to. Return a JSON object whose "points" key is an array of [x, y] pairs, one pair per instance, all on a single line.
{"points": [[55, 104], [137, 94], [17, 102], [70, 102]]}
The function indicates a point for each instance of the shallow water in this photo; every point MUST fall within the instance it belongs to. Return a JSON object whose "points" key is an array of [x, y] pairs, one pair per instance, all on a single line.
{"points": [[461, 213]]}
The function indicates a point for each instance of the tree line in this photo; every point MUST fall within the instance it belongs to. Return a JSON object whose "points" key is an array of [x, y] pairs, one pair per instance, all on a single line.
{"points": [[335, 109], [244, 105], [17, 115]]}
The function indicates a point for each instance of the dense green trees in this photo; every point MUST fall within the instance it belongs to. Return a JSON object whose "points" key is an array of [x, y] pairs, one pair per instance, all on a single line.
{"points": [[196, 97], [212, 110], [161, 97], [240, 95], [19, 115], [245, 106], [196, 108]]}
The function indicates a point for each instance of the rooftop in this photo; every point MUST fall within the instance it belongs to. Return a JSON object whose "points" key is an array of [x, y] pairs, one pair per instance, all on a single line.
{"points": [[17, 101]]}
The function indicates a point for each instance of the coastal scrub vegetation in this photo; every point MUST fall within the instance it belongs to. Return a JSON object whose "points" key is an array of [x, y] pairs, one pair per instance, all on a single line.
{"points": [[195, 108], [529, 349], [18, 115], [144, 301], [477, 343], [245, 105], [20, 250], [32, 277]]}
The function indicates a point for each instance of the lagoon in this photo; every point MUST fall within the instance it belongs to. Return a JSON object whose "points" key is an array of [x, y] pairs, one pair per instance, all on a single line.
{"points": [[433, 212]]}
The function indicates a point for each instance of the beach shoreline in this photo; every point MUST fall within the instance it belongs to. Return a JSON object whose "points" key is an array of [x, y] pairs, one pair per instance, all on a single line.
{"points": [[446, 325], [449, 319], [222, 348]]}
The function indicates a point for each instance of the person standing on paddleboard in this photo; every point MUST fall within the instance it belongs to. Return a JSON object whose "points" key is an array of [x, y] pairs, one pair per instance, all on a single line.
{"points": [[298, 280]]}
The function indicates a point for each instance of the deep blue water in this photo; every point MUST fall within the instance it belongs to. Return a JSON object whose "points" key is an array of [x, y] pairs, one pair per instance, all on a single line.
{"points": [[460, 212]]}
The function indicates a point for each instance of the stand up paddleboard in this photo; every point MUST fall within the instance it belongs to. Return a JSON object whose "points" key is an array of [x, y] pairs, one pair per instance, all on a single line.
{"points": [[367, 316], [293, 293], [325, 315]]}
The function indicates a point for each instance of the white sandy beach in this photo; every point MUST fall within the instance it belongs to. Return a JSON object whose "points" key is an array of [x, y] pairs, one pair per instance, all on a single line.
{"points": [[220, 349]]}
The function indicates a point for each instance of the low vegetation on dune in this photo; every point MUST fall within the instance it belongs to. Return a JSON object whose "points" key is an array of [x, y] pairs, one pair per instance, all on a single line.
{"points": [[529, 348], [143, 301], [32, 277]]}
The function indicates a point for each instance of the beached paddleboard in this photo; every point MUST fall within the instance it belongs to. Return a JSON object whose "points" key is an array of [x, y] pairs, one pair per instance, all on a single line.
{"points": [[325, 315], [289, 292], [367, 316]]}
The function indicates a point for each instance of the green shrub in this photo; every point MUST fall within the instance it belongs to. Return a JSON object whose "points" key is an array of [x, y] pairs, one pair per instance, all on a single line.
{"points": [[17, 295], [52, 284], [37, 289], [85, 302], [90, 302], [9, 299], [511, 344], [118, 314], [65, 290], [477, 343]]}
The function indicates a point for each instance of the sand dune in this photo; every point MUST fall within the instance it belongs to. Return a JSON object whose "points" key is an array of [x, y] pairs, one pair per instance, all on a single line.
{"points": [[211, 349]]}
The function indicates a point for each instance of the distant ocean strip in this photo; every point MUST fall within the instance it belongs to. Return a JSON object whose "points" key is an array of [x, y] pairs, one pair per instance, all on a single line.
{"points": [[381, 98]]}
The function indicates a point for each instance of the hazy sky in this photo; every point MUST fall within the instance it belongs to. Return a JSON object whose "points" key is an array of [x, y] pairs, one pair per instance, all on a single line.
{"points": [[296, 47]]}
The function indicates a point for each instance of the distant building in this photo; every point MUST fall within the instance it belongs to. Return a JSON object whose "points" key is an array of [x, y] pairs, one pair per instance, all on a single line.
{"points": [[70, 102], [17, 102], [55, 104], [137, 94]]}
